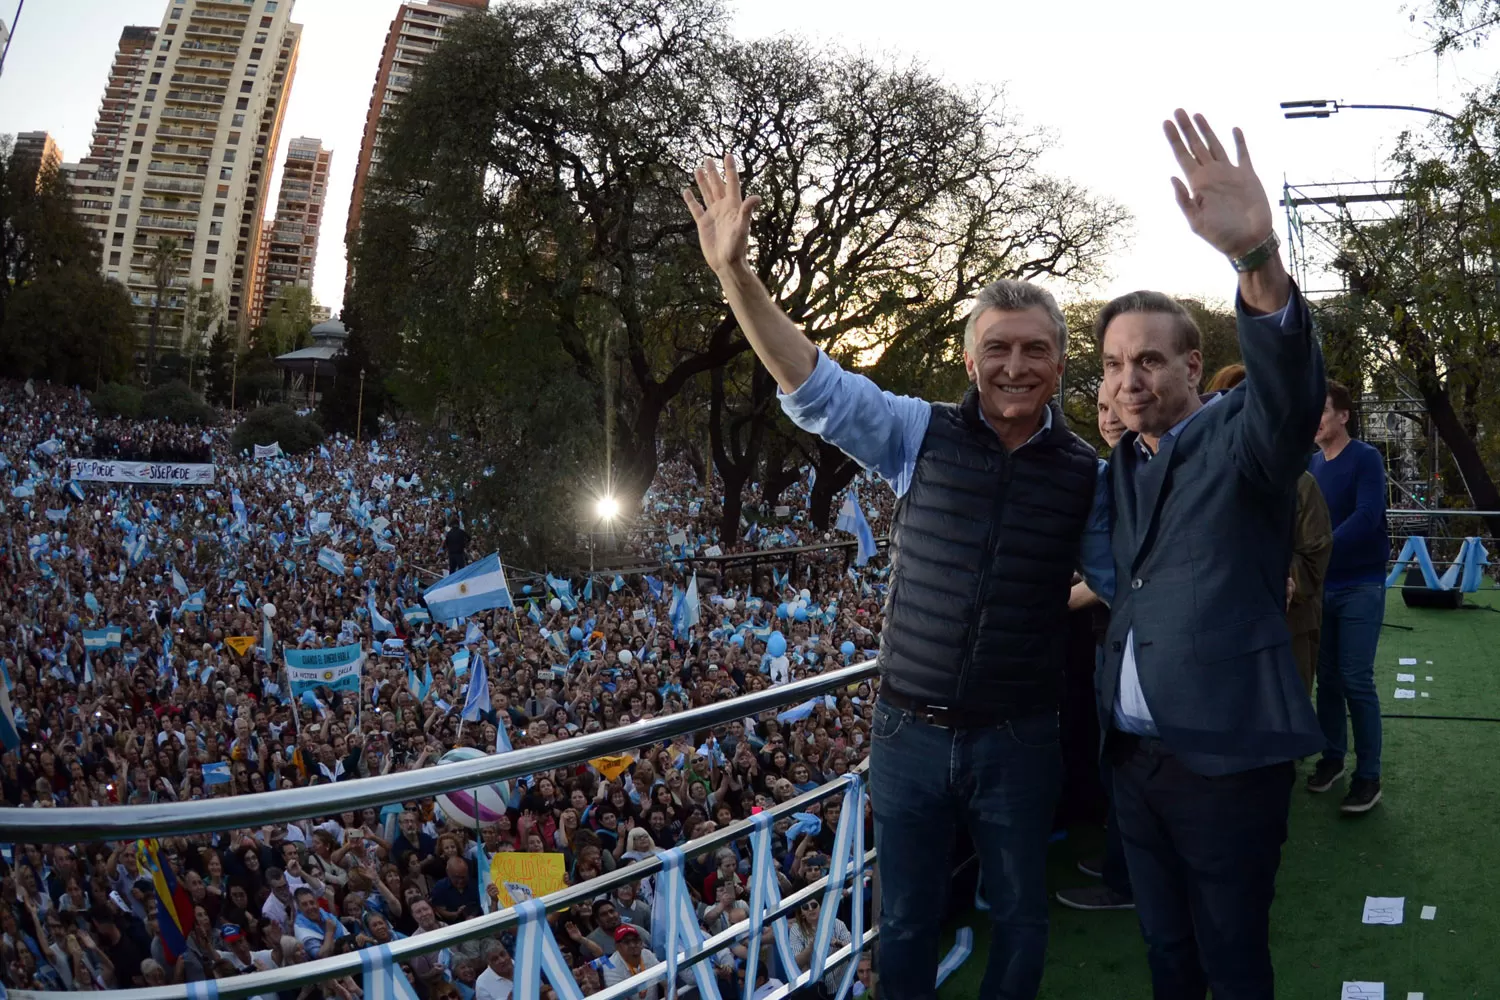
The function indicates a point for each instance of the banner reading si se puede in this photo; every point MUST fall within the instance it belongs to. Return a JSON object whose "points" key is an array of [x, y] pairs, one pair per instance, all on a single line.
{"points": [[536, 874], [91, 470], [337, 669]]}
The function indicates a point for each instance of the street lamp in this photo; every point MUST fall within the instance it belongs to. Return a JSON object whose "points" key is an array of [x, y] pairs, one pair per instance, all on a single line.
{"points": [[608, 508], [1325, 109], [359, 417]]}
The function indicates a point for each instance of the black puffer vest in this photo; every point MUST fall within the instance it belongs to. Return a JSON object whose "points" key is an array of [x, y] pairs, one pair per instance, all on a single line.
{"points": [[984, 545]]}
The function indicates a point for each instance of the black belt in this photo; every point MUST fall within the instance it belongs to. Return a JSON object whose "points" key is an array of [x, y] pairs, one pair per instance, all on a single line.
{"points": [[942, 716]]}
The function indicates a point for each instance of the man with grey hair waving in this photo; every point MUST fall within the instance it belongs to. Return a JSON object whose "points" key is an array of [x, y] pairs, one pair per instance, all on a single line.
{"points": [[1000, 502]]}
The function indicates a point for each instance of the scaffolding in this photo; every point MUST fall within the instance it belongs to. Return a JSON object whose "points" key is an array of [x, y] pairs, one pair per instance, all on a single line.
{"points": [[1319, 218]]}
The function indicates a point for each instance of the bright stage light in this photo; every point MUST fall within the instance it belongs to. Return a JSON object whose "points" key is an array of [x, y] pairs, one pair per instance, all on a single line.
{"points": [[608, 508]]}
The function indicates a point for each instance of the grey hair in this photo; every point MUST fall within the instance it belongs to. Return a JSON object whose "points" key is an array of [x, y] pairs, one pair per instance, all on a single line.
{"points": [[1009, 295], [494, 950]]}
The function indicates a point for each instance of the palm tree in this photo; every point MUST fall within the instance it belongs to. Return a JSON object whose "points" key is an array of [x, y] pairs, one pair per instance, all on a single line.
{"points": [[163, 270]]}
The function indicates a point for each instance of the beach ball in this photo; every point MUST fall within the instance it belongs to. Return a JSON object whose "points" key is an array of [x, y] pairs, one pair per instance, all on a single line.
{"points": [[474, 806]]}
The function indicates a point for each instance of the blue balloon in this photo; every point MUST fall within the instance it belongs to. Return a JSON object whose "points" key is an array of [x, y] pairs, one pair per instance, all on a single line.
{"points": [[783, 611], [736, 640], [847, 648], [526, 589], [776, 644], [575, 633], [800, 614]]}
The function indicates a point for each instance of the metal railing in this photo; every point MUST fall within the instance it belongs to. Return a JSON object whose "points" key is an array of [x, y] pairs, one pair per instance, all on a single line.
{"points": [[81, 823], [127, 822]]}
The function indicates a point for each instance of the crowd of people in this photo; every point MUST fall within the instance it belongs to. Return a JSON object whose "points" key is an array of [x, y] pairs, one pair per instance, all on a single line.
{"points": [[184, 705]]}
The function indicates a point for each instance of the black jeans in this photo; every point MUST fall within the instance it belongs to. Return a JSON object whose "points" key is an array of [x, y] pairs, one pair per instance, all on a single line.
{"points": [[1203, 854]]}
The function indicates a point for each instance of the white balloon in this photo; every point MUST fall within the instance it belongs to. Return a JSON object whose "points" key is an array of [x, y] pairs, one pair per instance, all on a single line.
{"points": [[729, 604], [806, 596], [625, 656], [554, 604], [269, 611]]}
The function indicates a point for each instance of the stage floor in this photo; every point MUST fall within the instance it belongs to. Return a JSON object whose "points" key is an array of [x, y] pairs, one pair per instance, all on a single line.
{"points": [[1434, 839]]}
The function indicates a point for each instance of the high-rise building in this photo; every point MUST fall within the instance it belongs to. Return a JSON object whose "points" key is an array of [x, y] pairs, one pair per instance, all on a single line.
{"points": [[290, 241], [416, 30], [91, 181], [40, 153], [201, 129]]}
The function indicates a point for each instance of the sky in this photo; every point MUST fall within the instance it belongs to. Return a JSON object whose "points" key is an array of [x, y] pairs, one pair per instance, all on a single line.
{"points": [[1099, 75]]}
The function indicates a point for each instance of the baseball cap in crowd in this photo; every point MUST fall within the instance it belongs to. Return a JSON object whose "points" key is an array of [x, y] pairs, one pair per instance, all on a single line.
{"points": [[624, 929], [231, 933]]}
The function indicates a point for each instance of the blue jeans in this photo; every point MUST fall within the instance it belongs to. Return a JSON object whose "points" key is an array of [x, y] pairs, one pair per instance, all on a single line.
{"points": [[1003, 782], [1346, 674]]}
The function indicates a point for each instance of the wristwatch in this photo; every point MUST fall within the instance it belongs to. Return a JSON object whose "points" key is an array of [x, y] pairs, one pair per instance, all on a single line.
{"points": [[1258, 255]]}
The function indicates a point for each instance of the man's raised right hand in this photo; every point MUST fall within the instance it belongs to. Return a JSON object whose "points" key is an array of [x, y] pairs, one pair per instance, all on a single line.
{"points": [[724, 215]]}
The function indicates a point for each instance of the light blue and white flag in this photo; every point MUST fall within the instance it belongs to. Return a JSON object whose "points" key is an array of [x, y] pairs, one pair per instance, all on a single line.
{"points": [[477, 587], [178, 583], [194, 603], [537, 952], [10, 735], [415, 616], [57, 516], [378, 623], [674, 926], [108, 637], [332, 561], [383, 976], [460, 663], [91, 602], [49, 447], [473, 634], [216, 773], [618, 584], [478, 700], [852, 519], [76, 490], [337, 669]]}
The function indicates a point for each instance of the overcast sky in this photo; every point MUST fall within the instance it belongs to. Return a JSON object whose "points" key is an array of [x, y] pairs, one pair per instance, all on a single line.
{"points": [[1099, 74]]}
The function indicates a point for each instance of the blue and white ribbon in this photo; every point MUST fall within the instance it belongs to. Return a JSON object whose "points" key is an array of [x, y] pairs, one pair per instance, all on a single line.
{"points": [[765, 894], [963, 947], [206, 989], [536, 952], [851, 823], [682, 927], [1415, 549], [383, 978]]}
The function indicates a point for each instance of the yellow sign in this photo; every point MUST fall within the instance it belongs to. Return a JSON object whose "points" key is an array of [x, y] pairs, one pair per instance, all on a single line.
{"points": [[520, 877], [239, 643], [612, 767]]}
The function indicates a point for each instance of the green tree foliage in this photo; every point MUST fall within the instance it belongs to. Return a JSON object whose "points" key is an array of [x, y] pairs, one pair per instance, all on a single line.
{"points": [[1457, 24], [277, 424], [163, 263], [59, 318], [117, 400], [288, 322], [1423, 308], [218, 366], [175, 402], [539, 160], [358, 393]]}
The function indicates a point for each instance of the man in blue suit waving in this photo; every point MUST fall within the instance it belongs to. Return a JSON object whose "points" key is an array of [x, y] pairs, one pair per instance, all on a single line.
{"points": [[1198, 691]]}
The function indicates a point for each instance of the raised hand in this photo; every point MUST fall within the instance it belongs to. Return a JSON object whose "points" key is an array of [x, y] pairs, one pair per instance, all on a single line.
{"points": [[1224, 202], [724, 216]]}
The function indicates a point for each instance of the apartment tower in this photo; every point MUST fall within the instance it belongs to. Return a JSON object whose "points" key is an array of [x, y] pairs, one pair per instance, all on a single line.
{"points": [[201, 129], [414, 33], [40, 153], [289, 243]]}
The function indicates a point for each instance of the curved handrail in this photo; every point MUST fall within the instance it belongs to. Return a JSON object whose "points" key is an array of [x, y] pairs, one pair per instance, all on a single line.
{"points": [[83, 823], [349, 964]]}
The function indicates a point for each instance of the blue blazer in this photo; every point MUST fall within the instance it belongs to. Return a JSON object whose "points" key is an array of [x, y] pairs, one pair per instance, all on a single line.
{"points": [[1202, 544]]}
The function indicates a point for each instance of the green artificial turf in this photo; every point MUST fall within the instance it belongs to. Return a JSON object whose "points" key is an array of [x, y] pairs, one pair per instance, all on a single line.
{"points": [[1434, 839]]}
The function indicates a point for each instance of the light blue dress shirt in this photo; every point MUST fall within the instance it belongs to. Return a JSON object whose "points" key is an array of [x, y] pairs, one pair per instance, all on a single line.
{"points": [[1131, 713], [883, 432]]}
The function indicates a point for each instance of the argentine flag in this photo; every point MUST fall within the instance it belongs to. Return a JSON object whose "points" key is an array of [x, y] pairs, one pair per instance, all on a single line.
{"points": [[178, 583], [194, 603], [332, 561], [477, 587], [852, 520], [383, 976], [618, 585], [415, 616], [108, 637], [378, 622], [478, 701], [460, 663]]}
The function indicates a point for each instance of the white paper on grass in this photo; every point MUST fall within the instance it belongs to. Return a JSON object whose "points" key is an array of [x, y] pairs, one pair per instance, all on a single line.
{"points": [[1403, 693], [1429, 663], [1429, 913], [1413, 996], [1429, 677], [1409, 661], [1409, 678], [1424, 694], [1384, 909], [1363, 991]]}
